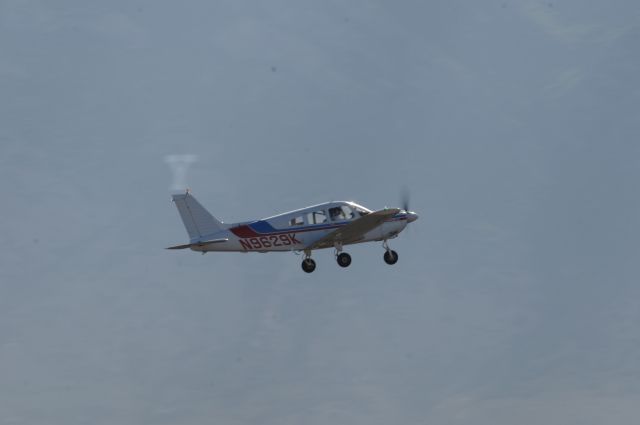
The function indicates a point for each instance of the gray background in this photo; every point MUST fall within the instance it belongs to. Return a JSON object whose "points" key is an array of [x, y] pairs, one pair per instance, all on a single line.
{"points": [[514, 124]]}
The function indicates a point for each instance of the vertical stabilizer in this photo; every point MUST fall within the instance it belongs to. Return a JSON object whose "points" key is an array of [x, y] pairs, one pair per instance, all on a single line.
{"points": [[197, 220]]}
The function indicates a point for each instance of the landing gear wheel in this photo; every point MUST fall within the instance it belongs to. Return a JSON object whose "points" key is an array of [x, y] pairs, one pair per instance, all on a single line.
{"points": [[343, 259], [308, 265], [390, 257]]}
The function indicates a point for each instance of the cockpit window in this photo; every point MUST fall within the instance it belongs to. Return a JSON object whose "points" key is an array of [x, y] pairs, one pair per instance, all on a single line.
{"points": [[362, 212], [340, 213], [348, 213], [336, 214], [317, 217], [297, 221]]}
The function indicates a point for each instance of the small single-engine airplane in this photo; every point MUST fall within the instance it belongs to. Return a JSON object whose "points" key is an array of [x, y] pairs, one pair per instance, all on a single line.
{"points": [[332, 224]]}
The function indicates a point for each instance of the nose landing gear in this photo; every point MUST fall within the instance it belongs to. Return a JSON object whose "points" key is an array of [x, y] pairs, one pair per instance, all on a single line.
{"points": [[390, 256]]}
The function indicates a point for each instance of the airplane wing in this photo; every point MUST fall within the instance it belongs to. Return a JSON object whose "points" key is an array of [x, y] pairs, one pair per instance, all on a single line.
{"points": [[199, 244], [355, 230]]}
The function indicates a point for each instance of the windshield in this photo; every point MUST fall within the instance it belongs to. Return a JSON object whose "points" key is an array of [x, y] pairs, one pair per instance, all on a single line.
{"points": [[360, 210]]}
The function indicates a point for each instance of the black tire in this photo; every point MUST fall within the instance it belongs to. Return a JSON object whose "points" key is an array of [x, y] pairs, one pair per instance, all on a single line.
{"points": [[390, 257], [308, 265], [343, 259]]}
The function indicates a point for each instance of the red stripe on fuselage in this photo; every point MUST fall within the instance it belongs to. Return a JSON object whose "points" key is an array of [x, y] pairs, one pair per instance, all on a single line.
{"points": [[244, 232]]}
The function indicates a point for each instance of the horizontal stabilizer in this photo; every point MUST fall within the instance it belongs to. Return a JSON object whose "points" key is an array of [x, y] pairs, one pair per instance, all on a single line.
{"points": [[199, 244]]}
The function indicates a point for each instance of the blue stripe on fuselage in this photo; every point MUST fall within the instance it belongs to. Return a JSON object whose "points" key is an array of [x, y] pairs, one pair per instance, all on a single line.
{"points": [[263, 227]]}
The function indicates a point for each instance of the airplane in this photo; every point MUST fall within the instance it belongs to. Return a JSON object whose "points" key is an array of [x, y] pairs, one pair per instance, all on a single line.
{"points": [[331, 224]]}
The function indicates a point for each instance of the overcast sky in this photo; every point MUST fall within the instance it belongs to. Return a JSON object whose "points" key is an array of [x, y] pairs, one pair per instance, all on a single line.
{"points": [[515, 125]]}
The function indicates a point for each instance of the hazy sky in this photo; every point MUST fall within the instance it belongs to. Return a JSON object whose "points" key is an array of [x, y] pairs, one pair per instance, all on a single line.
{"points": [[515, 124]]}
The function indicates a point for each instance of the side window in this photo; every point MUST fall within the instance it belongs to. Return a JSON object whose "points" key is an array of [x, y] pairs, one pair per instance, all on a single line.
{"points": [[336, 214], [316, 217], [348, 213], [296, 221]]}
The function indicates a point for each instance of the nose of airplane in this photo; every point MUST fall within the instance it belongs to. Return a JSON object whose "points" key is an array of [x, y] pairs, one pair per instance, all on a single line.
{"points": [[411, 217]]}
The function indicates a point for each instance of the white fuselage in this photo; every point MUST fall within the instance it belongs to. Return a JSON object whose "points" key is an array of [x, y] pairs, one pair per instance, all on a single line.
{"points": [[296, 230]]}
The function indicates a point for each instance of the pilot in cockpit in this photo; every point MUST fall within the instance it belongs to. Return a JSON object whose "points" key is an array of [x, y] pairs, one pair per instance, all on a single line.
{"points": [[336, 213]]}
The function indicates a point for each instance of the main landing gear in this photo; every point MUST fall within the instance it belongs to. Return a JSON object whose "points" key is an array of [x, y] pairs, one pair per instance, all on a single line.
{"points": [[308, 265], [342, 258]]}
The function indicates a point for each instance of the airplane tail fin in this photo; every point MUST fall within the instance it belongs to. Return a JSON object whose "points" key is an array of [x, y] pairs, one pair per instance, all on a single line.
{"points": [[197, 220]]}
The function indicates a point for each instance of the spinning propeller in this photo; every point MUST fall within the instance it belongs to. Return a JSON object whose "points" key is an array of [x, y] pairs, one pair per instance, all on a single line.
{"points": [[405, 198]]}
